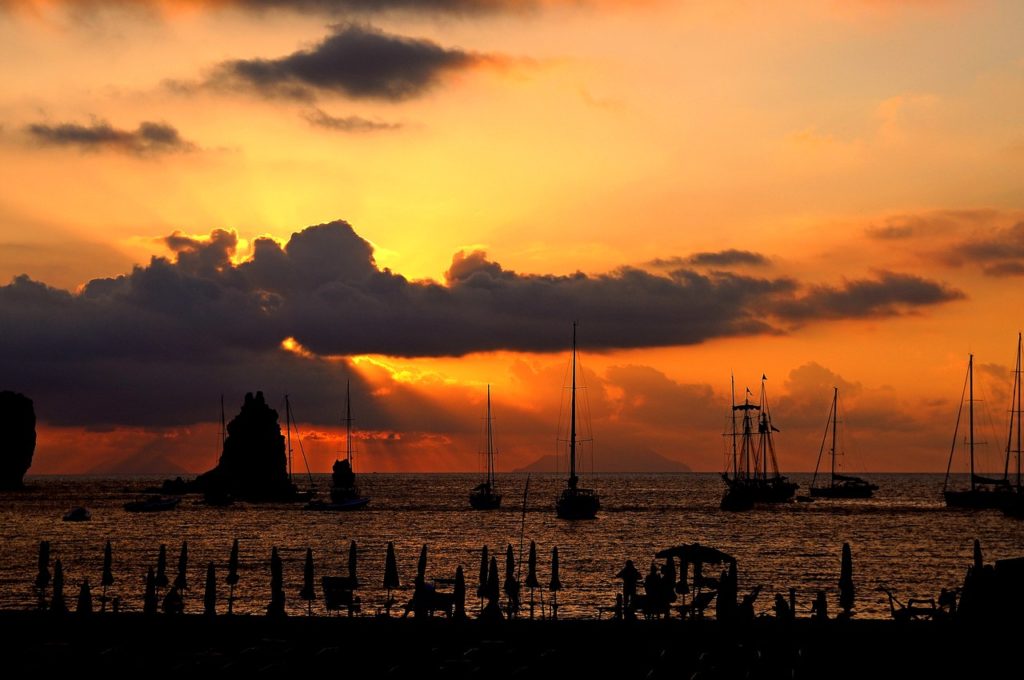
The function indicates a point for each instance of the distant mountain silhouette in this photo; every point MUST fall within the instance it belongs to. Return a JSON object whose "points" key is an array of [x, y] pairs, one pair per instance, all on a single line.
{"points": [[644, 460], [18, 428]]}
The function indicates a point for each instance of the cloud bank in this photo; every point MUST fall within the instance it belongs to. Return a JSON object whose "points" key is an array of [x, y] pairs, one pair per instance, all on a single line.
{"points": [[355, 61], [140, 348]]}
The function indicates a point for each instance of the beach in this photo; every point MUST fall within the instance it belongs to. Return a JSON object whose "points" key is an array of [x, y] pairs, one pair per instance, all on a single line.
{"points": [[162, 646]]}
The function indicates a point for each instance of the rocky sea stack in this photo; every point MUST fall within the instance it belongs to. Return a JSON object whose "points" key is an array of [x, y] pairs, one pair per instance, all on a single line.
{"points": [[253, 466], [18, 424]]}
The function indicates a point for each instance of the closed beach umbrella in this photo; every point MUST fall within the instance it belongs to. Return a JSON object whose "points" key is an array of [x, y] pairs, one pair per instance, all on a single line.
{"points": [[459, 594], [531, 574], [481, 590], [390, 574], [58, 605], [308, 590], [510, 570], [43, 577], [108, 575], [232, 578], [979, 562], [555, 584], [149, 601], [846, 592], [210, 596], [421, 566], [352, 564], [84, 599], [531, 567], [161, 568], [181, 580]]}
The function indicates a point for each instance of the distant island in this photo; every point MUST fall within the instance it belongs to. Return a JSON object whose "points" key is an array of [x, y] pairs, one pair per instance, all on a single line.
{"points": [[254, 465], [639, 461], [18, 424]]}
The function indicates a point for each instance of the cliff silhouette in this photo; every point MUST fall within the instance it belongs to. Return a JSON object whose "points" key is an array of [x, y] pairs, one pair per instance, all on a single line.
{"points": [[18, 424], [253, 465]]}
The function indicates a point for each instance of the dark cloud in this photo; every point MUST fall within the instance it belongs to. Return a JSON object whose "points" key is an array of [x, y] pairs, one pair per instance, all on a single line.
{"points": [[890, 294], [143, 347], [997, 250], [354, 124], [148, 139], [356, 61], [1005, 269], [718, 258], [1000, 251]]}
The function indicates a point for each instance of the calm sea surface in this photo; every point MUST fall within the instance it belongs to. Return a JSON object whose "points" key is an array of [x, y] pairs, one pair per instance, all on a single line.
{"points": [[904, 539]]}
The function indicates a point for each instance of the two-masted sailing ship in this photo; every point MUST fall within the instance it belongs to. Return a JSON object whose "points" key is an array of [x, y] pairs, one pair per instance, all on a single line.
{"points": [[839, 485], [755, 474], [575, 502], [485, 495]]}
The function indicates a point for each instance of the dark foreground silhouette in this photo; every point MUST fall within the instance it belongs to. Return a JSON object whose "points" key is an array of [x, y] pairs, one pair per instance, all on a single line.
{"points": [[409, 648]]}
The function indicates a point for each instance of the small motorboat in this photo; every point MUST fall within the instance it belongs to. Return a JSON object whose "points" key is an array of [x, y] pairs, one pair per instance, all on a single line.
{"points": [[77, 514], [153, 504]]}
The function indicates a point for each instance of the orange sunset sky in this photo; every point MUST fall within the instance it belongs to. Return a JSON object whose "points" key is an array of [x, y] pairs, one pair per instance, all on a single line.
{"points": [[206, 197]]}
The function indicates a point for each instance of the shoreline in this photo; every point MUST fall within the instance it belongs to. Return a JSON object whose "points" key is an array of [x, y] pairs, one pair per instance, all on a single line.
{"points": [[128, 643]]}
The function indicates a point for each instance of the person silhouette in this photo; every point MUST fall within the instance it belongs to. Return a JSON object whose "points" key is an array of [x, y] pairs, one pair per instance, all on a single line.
{"points": [[629, 575]]}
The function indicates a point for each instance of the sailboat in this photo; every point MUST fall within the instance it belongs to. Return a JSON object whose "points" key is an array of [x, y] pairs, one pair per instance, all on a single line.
{"points": [[485, 495], [1013, 505], [984, 492], [344, 492], [575, 502], [840, 486], [752, 481]]}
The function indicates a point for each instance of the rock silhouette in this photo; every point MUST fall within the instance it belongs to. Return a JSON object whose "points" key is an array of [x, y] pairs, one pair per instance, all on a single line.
{"points": [[253, 465], [18, 424]]}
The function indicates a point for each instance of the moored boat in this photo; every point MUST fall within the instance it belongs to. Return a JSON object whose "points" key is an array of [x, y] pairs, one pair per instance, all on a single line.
{"points": [[840, 485], [575, 502], [485, 495], [755, 469]]}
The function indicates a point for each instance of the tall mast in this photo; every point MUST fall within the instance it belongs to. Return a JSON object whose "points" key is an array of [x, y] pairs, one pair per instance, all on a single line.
{"points": [[348, 423], [572, 416], [835, 422], [224, 427], [490, 443], [970, 411], [732, 412], [288, 430], [1014, 415]]}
